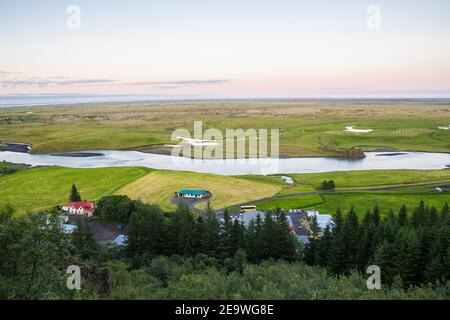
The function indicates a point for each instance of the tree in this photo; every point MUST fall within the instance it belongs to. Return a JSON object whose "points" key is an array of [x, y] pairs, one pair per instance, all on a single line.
{"points": [[328, 185], [226, 247], [408, 258], [338, 254], [324, 248], [32, 251], [74, 194], [312, 248], [84, 241], [385, 257], [268, 248], [283, 239], [331, 185], [351, 239], [212, 233], [403, 216], [116, 208]]}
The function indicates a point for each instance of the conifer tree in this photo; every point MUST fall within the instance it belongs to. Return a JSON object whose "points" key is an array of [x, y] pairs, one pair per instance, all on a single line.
{"points": [[74, 194], [312, 249]]}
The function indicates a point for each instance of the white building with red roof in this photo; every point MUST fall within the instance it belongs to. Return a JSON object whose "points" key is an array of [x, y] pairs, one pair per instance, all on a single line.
{"points": [[80, 208]]}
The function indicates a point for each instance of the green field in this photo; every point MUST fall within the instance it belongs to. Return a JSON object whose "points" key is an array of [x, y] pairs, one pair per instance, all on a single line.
{"points": [[304, 126], [37, 189], [159, 186], [385, 201], [361, 201], [372, 178]]}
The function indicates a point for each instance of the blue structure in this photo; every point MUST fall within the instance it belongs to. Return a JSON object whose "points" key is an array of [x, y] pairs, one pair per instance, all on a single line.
{"points": [[120, 240]]}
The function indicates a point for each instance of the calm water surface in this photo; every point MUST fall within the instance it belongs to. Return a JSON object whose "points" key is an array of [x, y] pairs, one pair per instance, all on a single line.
{"points": [[374, 160]]}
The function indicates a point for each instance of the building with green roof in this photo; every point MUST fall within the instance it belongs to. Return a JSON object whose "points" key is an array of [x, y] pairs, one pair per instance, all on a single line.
{"points": [[193, 193]]}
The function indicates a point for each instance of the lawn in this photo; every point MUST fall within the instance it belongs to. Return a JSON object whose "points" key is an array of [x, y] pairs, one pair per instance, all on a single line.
{"points": [[291, 203], [159, 186], [372, 178], [328, 203], [361, 202], [37, 189]]}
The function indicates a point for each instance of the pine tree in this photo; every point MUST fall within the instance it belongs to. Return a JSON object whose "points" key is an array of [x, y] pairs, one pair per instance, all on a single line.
{"points": [[201, 238], [376, 215], [84, 241], [403, 216], [351, 238], [384, 257], [365, 243], [408, 257], [312, 248], [445, 214], [267, 237], [324, 248], [74, 195], [438, 269], [283, 239], [226, 242], [338, 254], [213, 232], [237, 236]]}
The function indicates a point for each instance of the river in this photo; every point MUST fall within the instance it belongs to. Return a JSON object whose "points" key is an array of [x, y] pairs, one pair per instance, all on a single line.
{"points": [[108, 158]]}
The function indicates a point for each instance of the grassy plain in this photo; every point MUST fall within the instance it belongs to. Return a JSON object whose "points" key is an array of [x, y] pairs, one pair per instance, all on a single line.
{"points": [[37, 189], [159, 186], [361, 201], [304, 125]]}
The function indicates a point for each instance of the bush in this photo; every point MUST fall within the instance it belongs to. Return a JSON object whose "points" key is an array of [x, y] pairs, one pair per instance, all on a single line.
{"points": [[115, 208]]}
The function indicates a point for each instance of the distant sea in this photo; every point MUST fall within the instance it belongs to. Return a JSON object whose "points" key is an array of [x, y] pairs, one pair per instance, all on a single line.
{"points": [[64, 99], [27, 100]]}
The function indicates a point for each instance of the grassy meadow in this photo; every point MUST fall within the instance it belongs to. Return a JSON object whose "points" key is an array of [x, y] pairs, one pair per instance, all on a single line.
{"points": [[159, 186], [361, 201], [31, 190], [37, 189], [304, 126]]}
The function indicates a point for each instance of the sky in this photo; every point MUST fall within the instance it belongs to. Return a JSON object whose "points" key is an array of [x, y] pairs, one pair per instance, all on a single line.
{"points": [[226, 49]]}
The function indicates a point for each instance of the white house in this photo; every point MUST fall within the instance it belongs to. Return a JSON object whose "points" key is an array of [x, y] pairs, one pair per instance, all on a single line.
{"points": [[80, 208]]}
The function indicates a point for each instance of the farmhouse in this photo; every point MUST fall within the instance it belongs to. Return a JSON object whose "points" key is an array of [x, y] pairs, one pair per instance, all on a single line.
{"points": [[80, 208], [193, 193]]}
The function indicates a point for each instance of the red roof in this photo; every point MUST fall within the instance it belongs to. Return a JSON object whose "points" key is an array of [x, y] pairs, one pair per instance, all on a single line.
{"points": [[86, 205]]}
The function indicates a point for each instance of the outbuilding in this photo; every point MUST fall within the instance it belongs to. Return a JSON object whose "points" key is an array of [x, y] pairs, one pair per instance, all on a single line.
{"points": [[193, 193]]}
